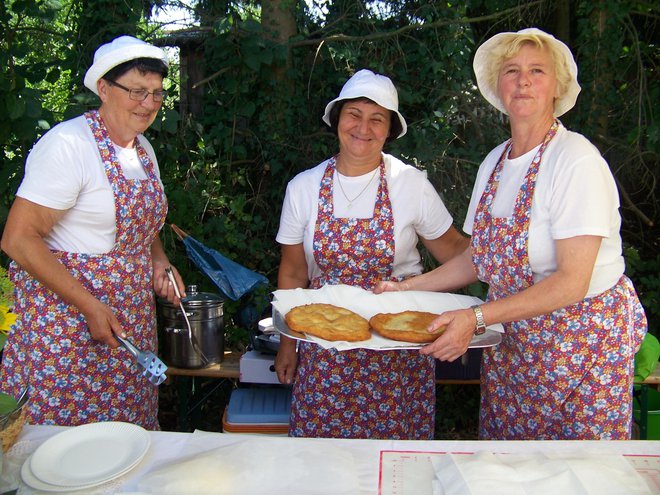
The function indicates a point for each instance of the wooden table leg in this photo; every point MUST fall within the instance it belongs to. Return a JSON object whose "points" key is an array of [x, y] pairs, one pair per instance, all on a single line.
{"points": [[643, 412]]}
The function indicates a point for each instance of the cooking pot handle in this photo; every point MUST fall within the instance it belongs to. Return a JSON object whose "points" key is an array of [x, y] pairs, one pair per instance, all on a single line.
{"points": [[175, 330]]}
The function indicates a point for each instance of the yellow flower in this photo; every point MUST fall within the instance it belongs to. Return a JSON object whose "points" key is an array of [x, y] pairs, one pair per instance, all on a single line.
{"points": [[7, 318]]}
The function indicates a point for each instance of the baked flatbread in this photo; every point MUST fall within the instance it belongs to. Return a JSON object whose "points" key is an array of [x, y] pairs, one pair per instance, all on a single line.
{"points": [[407, 326], [328, 322]]}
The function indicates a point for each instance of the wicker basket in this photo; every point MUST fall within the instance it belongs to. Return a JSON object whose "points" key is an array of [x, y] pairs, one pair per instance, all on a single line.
{"points": [[13, 428]]}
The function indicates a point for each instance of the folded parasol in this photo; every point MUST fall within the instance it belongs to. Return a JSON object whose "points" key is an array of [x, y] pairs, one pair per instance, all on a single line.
{"points": [[233, 280]]}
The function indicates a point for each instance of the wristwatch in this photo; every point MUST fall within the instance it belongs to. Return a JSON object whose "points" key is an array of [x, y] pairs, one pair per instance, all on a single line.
{"points": [[481, 324]]}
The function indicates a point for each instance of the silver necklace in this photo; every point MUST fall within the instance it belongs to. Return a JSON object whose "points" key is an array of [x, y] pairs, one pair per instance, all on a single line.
{"points": [[350, 201]]}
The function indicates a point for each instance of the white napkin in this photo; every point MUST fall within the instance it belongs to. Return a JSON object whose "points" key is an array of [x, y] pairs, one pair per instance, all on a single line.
{"points": [[581, 473], [366, 304], [256, 467]]}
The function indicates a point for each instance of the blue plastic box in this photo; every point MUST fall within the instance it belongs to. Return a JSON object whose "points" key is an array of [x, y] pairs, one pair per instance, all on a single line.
{"points": [[259, 405]]}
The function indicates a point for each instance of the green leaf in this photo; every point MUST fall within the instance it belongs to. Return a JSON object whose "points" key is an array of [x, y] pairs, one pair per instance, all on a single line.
{"points": [[252, 60], [247, 109], [15, 108], [7, 403], [32, 108], [171, 121]]}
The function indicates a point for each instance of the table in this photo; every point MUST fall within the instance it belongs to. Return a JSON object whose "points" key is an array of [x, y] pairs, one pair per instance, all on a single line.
{"points": [[228, 368], [190, 392], [652, 381], [365, 455]]}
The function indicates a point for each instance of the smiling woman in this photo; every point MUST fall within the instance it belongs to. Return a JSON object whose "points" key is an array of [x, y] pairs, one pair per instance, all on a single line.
{"points": [[355, 219], [545, 224], [83, 234]]}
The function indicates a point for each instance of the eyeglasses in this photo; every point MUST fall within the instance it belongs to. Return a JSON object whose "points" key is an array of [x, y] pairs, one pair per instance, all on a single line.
{"points": [[140, 94]]}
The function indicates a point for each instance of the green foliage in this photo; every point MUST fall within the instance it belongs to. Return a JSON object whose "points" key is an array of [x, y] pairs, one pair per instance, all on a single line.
{"points": [[457, 412], [24, 117], [7, 403], [225, 169], [645, 272], [6, 288]]}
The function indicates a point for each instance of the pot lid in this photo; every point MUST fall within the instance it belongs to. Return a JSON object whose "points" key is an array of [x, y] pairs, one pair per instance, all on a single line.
{"points": [[194, 298]]}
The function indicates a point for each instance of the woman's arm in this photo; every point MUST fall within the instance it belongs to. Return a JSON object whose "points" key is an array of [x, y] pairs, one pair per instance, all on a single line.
{"points": [[292, 274], [454, 274], [447, 246], [27, 224], [576, 257]]}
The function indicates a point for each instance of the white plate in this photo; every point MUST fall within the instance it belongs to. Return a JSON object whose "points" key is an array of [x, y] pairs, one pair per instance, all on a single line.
{"points": [[489, 339], [33, 482], [90, 454], [366, 304]]}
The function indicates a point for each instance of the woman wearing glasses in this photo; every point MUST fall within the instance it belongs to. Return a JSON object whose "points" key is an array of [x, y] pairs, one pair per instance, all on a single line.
{"points": [[87, 259]]}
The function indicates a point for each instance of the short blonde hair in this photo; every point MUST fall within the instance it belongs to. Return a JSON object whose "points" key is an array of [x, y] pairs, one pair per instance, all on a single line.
{"points": [[511, 45]]}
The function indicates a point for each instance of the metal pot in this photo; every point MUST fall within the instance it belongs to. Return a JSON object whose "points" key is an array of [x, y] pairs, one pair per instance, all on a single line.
{"points": [[205, 314]]}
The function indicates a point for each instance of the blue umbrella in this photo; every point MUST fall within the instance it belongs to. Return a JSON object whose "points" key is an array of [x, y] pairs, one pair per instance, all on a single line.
{"points": [[233, 280]]}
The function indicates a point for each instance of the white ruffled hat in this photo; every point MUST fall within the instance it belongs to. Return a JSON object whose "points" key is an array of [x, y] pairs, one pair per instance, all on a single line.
{"points": [[482, 60], [117, 52], [376, 87]]}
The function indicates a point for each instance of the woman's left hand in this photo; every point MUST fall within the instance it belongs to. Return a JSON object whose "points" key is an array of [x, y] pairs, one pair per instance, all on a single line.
{"points": [[454, 341], [162, 284]]}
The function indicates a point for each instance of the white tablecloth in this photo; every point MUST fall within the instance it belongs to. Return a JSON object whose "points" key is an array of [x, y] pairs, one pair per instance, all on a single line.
{"points": [[168, 448]]}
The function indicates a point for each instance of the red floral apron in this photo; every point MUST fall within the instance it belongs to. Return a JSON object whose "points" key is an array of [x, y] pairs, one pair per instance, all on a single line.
{"points": [[359, 393], [73, 379], [564, 375]]}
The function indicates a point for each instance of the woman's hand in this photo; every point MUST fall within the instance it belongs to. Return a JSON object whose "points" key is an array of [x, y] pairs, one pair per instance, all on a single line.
{"points": [[103, 324], [389, 286], [286, 360], [454, 341], [163, 286]]}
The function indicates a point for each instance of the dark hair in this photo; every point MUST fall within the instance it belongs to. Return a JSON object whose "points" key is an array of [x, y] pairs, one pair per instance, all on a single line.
{"points": [[395, 123], [143, 65]]}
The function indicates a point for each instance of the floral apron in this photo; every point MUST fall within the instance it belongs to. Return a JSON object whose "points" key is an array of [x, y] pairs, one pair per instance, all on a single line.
{"points": [[359, 393], [73, 379], [564, 375]]}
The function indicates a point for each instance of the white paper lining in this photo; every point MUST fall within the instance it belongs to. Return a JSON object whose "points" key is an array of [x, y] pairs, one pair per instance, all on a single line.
{"points": [[366, 304]]}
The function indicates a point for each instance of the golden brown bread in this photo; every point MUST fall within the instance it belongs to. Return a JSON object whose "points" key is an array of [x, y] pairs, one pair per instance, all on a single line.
{"points": [[407, 326], [328, 322]]}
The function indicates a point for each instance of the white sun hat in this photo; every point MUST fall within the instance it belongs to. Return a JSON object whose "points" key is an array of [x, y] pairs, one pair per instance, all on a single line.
{"points": [[376, 87], [482, 61], [117, 52]]}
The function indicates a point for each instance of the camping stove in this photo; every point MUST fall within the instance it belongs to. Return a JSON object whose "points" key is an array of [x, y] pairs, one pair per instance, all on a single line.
{"points": [[258, 364], [265, 338]]}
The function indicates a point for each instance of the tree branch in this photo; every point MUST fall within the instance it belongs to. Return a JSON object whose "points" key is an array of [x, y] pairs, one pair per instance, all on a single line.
{"points": [[342, 38]]}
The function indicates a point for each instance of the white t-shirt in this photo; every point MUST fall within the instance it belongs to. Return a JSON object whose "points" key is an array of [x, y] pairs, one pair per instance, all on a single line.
{"points": [[575, 195], [64, 171], [416, 208]]}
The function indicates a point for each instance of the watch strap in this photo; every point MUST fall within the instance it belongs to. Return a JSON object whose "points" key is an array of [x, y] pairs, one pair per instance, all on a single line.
{"points": [[480, 329]]}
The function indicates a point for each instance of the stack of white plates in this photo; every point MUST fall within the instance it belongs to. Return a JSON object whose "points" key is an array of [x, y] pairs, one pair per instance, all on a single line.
{"points": [[85, 456]]}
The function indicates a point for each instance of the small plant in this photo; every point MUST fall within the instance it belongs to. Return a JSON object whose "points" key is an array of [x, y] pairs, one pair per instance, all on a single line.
{"points": [[7, 319]]}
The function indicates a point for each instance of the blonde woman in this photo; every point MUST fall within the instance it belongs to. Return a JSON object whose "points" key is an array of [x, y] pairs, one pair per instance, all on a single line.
{"points": [[545, 226]]}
